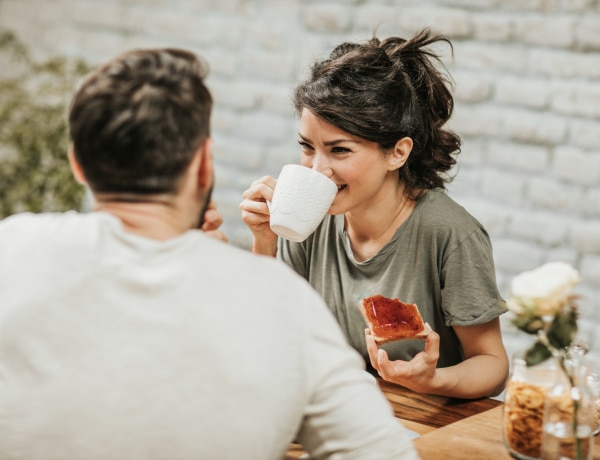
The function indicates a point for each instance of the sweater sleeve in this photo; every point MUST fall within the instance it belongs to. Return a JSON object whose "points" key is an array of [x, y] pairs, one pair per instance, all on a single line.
{"points": [[347, 416]]}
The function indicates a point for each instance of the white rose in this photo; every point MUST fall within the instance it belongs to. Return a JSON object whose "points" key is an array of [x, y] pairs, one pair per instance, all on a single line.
{"points": [[544, 290]]}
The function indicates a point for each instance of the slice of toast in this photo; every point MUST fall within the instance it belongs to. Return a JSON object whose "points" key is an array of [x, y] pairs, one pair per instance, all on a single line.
{"points": [[391, 319]]}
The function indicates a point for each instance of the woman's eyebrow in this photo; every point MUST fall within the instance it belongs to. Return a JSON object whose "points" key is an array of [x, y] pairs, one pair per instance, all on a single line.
{"points": [[329, 143]]}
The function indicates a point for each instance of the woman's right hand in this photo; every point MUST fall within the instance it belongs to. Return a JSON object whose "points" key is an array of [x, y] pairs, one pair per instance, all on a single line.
{"points": [[255, 214]]}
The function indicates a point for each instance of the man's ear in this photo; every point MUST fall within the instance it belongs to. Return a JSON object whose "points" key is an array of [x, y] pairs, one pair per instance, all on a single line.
{"points": [[400, 153], [205, 169], [76, 167]]}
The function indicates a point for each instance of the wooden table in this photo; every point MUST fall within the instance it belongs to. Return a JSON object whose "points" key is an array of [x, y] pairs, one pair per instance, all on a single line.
{"points": [[452, 429]]}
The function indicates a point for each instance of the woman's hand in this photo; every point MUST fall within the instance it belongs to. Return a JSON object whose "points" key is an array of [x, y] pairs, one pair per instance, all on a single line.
{"points": [[419, 374], [212, 221], [255, 214], [482, 373]]}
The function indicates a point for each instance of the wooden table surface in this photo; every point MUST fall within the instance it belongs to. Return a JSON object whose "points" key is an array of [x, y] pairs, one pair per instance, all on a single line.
{"points": [[429, 412], [474, 438], [452, 429]]}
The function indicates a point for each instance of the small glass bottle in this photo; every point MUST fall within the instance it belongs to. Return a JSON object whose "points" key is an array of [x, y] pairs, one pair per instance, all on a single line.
{"points": [[593, 382], [569, 418]]}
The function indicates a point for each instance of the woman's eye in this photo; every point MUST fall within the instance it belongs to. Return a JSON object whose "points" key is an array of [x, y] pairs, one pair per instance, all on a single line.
{"points": [[340, 150], [304, 145]]}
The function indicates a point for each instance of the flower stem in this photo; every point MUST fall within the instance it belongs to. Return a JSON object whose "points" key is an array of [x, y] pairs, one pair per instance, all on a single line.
{"points": [[570, 369]]}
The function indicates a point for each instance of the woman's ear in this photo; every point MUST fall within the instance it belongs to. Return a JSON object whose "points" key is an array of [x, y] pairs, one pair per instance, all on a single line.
{"points": [[76, 167], [400, 153]]}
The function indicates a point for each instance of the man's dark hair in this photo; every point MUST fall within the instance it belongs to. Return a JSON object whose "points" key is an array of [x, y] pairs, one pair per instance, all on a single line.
{"points": [[138, 120]]}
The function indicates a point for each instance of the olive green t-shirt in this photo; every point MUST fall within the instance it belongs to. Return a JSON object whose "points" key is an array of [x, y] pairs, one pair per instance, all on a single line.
{"points": [[440, 259]]}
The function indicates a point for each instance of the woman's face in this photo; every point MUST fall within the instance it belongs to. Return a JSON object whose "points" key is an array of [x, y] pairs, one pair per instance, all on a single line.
{"points": [[362, 172]]}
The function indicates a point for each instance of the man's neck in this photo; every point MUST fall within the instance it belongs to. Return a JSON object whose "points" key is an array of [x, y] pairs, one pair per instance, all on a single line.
{"points": [[156, 217]]}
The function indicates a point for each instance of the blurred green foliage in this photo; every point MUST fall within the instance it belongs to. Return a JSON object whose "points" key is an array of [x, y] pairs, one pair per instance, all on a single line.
{"points": [[34, 97]]}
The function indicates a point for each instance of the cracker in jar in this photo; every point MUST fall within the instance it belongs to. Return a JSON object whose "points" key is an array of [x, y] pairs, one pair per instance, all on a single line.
{"points": [[524, 407]]}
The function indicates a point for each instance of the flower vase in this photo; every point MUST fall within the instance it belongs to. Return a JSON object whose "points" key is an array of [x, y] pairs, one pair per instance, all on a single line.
{"points": [[569, 419], [524, 404], [593, 383]]}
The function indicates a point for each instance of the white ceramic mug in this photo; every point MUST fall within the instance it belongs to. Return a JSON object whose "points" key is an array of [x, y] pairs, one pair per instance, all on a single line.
{"points": [[301, 200]]}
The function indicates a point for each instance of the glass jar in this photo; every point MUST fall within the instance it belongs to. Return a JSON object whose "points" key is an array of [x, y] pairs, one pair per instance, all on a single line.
{"points": [[569, 418], [593, 382], [524, 404]]}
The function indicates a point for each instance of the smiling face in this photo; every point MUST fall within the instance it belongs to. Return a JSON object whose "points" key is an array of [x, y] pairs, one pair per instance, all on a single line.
{"points": [[364, 174]]}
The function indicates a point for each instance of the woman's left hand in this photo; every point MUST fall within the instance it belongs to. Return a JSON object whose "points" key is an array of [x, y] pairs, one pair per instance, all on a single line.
{"points": [[418, 374]]}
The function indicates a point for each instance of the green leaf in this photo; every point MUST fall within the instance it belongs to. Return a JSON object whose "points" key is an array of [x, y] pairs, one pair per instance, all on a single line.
{"points": [[34, 169], [563, 329], [537, 354], [528, 323]]}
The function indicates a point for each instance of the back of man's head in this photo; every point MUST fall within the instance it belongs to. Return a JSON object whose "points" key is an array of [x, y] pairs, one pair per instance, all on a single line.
{"points": [[138, 120]]}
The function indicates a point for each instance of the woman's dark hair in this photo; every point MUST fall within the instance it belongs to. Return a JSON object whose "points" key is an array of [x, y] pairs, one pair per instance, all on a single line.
{"points": [[137, 121], [383, 91]]}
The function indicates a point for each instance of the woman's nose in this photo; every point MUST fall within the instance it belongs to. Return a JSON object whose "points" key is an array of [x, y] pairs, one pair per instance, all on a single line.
{"points": [[328, 172], [322, 166]]}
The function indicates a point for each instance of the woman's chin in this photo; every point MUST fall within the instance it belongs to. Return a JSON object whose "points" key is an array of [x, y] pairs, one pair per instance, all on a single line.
{"points": [[334, 210]]}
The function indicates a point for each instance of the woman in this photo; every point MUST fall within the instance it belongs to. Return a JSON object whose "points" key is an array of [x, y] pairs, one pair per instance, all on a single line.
{"points": [[372, 119]]}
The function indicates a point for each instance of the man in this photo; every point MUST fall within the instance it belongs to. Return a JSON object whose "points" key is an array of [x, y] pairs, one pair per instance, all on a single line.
{"points": [[128, 333]]}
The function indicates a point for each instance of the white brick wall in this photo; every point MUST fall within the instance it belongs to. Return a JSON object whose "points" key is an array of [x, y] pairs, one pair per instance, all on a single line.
{"points": [[527, 76]]}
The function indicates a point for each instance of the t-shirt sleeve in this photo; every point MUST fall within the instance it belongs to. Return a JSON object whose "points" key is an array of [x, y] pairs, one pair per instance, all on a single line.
{"points": [[347, 416], [469, 291]]}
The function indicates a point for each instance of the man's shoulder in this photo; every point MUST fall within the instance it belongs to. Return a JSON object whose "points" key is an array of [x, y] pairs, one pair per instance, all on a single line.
{"points": [[262, 269], [24, 223]]}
